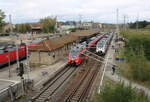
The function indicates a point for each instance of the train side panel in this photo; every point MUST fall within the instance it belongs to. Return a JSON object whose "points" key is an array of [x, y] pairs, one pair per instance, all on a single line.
{"points": [[12, 55]]}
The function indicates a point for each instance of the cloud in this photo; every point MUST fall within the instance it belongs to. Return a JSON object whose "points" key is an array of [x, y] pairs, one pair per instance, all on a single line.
{"points": [[97, 10]]}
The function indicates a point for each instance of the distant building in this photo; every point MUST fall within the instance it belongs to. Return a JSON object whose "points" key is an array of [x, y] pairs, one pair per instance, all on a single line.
{"points": [[68, 25], [91, 25], [36, 28], [79, 25], [87, 25], [96, 25]]}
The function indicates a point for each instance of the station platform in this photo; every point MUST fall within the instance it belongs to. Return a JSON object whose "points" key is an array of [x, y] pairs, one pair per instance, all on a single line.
{"points": [[6, 88], [4, 84]]}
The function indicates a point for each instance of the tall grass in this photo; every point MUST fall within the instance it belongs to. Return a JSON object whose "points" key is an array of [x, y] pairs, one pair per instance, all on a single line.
{"points": [[137, 53], [120, 93]]}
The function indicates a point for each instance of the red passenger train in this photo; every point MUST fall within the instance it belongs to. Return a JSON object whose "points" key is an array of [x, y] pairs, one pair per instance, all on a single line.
{"points": [[8, 54], [92, 44], [75, 56]]}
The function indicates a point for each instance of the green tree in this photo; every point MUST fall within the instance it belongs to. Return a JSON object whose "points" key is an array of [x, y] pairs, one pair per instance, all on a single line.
{"points": [[141, 24], [2, 23], [148, 27], [23, 28], [48, 24]]}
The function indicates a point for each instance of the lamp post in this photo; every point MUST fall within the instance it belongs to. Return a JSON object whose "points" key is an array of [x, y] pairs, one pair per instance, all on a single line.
{"points": [[17, 56], [8, 56], [28, 66]]}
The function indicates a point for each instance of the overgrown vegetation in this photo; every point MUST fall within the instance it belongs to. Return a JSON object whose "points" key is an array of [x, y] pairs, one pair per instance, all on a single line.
{"points": [[23, 28], [120, 93], [137, 53], [2, 17], [48, 24], [141, 24]]}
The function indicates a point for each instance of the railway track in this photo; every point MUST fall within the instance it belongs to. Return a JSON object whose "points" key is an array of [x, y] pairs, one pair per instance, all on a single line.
{"points": [[80, 92], [78, 88], [53, 85]]}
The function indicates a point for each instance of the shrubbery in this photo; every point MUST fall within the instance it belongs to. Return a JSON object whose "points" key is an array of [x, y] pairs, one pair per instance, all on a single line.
{"points": [[120, 93], [137, 53]]}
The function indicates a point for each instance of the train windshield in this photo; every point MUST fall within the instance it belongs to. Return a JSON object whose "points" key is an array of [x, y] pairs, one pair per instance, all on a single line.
{"points": [[73, 53], [75, 50]]}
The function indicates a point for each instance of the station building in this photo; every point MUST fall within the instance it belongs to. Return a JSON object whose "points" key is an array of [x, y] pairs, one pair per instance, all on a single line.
{"points": [[52, 50]]}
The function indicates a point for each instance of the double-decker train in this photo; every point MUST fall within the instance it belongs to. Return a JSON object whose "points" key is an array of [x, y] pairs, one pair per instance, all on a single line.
{"points": [[92, 44], [103, 44]]}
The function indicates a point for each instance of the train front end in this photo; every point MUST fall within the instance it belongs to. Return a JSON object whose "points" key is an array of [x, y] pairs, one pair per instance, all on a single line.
{"points": [[73, 58]]}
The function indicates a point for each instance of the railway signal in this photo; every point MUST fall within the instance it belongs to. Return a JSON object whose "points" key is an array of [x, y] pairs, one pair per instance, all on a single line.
{"points": [[20, 73], [21, 70]]}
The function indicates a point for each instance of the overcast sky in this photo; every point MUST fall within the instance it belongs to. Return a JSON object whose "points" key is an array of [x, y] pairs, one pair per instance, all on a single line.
{"points": [[86, 10]]}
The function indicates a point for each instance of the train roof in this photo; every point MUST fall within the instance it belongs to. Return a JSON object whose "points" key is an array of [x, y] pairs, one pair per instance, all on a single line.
{"points": [[102, 41]]}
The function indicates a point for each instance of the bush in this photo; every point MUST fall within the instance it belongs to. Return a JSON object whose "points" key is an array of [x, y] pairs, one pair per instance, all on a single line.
{"points": [[120, 93], [137, 53]]}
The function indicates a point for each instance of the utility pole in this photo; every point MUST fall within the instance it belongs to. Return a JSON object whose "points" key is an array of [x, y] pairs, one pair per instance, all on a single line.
{"points": [[28, 64], [10, 23], [137, 25], [117, 24], [127, 20], [8, 57], [56, 25], [80, 21], [17, 56], [124, 17]]}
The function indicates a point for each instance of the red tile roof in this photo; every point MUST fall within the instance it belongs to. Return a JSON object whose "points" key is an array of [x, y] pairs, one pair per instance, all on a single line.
{"points": [[54, 43]]}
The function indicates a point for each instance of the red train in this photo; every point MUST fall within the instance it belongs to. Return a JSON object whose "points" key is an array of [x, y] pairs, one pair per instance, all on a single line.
{"points": [[77, 54], [92, 44], [75, 57], [8, 53]]}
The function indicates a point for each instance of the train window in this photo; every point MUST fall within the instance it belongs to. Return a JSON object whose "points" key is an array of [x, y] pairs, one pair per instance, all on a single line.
{"points": [[2, 48], [9, 49], [5, 50], [73, 53], [1, 51]]}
